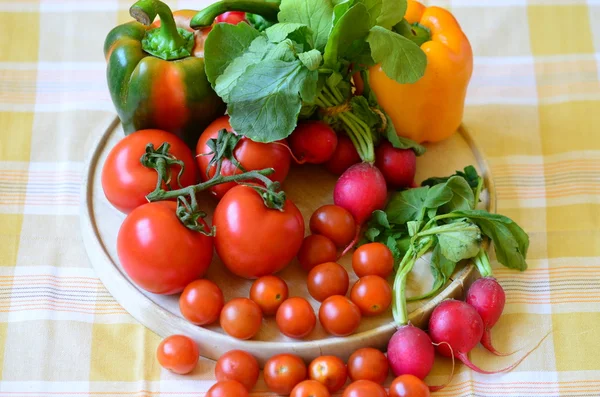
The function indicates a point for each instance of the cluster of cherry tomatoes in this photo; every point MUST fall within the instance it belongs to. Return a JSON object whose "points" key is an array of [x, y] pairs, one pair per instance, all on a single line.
{"points": [[237, 373]]}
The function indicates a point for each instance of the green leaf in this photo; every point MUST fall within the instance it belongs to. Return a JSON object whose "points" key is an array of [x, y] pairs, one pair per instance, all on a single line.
{"points": [[311, 59], [438, 195], [401, 59], [361, 108], [374, 9], [352, 26], [462, 198], [259, 22], [458, 240], [511, 243], [441, 269], [392, 12], [413, 227], [340, 8], [316, 14], [265, 103], [281, 31], [225, 43], [372, 233], [283, 51], [470, 174], [380, 218], [407, 205], [400, 142]]}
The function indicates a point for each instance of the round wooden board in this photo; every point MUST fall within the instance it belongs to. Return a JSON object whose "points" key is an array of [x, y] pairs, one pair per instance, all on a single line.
{"points": [[309, 187]]}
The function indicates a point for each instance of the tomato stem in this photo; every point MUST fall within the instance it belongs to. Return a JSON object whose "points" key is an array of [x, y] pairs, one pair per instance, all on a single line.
{"points": [[161, 160]]}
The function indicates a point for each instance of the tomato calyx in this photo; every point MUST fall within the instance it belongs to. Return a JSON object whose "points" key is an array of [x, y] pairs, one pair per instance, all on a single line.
{"points": [[161, 160], [271, 193], [189, 214], [222, 148]]}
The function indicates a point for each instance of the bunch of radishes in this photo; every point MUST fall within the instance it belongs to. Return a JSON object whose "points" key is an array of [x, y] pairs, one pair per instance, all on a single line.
{"points": [[455, 328]]}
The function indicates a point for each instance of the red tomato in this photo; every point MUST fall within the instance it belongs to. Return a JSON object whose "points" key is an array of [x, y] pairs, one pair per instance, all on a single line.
{"points": [[296, 318], [241, 318], [330, 371], [409, 386], [368, 364], [283, 372], [231, 17], [253, 240], [344, 156], [372, 295], [178, 354], [201, 302], [364, 388], [126, 182], [227, 388], [310, 388], [313, 142], [316, 249], [398, 166], [239, 366], [251, 155], [335, 223], [269, 292], [373, 259], [339, 316], [158, 252], [327, 279]]}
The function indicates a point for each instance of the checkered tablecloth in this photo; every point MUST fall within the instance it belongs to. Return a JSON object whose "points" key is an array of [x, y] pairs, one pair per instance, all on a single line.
{"points": [[533, 106]]}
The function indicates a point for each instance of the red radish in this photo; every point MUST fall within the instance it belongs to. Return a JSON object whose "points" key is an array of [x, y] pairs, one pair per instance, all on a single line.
{"points": [[398, 166], [344, 157], [313, 142], [231, 17], [361, 190], [410, 351], [488, 298]]}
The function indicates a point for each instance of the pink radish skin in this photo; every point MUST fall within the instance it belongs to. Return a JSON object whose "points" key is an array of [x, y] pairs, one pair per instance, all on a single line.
{"points": [[398, 166], [488, 298], [361, 190], [313, 142], [410, 351], [344, 156]]}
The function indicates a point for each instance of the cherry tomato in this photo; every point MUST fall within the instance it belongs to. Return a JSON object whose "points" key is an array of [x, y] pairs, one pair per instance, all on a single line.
{"points": [[327, 279], [372, 295], [368, 364], [269, 292], [373, 259], [201, 302], [253, 240], [296, 318], [178, 354], [409, 386], [251, 155], [283, 372], [241, 318], [335, 223], [316, 249], [310, 388], [126, 182], [339, 316], [364, 388], [158, 252], [227, 388], [238, 365], [344, 156], [398, 166], [313, 142], [330, 371], [231, 17]]}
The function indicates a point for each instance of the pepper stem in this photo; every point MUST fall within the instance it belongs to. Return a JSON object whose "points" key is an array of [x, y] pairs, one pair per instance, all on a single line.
{"points": [[168, 41], [415, 32], [206, 17]]}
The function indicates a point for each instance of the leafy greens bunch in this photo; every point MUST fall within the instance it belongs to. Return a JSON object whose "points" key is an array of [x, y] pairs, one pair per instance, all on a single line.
{"points": [[300, 66], [441, 217]]}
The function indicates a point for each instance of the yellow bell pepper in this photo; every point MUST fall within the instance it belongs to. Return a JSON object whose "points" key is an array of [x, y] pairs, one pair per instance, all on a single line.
{"points": [[431, 109]]}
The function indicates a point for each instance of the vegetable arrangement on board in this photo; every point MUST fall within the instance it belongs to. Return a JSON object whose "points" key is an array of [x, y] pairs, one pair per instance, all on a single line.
{"points": [[341, 83]]}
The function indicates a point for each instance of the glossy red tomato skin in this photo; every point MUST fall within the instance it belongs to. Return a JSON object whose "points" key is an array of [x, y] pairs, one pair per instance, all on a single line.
{"points": [[313, 142], [335, 223], [253, 240], [158, 252], [368, 364], [251, 155], [372, 295], [296, 318], [316, 249], [339, 316], [327, 279], [241, 318], [409, 386], [227, 388], [240, 366], [364, 388], [201, 302], [310, 388], [373, 259], [283, 372], [344, 156], [330, 371], [126, 182], [178, 354], [269, 292], [231, 17]]}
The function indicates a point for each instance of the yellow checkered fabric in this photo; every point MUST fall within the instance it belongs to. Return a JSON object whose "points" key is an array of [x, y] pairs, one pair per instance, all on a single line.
{"points": [[533, 106]]}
